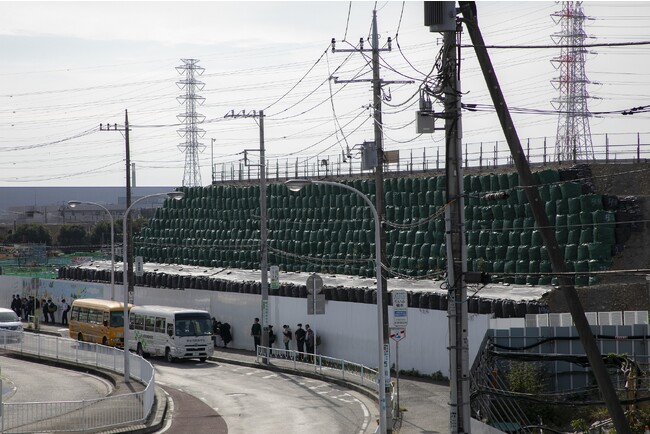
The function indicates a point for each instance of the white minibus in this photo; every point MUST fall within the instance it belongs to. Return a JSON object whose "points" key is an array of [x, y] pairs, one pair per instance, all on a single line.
{"points": [[172, 332]]}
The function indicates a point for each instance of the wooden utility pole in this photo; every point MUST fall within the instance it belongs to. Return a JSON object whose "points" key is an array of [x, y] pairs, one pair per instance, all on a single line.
{"points": [[547, 231]]}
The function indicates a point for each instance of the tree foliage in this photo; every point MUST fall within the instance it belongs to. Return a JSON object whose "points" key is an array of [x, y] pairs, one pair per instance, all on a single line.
{"points": [[30, 233], [72, 237], [100, 233]]}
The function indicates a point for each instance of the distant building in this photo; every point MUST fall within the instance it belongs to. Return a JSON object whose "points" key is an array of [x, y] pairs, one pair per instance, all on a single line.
{"points": [[48, 205]]}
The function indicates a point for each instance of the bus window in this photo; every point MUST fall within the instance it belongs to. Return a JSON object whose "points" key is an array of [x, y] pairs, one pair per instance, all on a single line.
{"points": [[139, 322], [117, 319], [170, 329], [94, 316], [160, 324], [83, 314], [74, 315], [150, 323]]}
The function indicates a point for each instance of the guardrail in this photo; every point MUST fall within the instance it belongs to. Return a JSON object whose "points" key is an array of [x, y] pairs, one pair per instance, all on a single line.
{"points": [[327, 367], [323, 365], [86, 415]]}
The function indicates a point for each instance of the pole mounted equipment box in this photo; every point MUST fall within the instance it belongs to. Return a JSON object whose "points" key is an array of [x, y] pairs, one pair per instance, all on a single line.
{"points": [[440, 16], [368, 156], [425, 122]]}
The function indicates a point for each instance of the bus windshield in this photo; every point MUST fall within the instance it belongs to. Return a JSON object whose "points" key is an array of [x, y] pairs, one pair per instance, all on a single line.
{"points": [[117, 318], [193, 325]]}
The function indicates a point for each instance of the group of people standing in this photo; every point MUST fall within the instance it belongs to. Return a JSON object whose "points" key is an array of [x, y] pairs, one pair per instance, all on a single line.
{"points": [[305, 338], [29, 306], [221, 330]]}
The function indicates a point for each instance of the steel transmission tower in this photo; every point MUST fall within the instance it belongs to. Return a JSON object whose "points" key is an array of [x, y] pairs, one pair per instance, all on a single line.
{"points": [[573, 140], [192, 133]]}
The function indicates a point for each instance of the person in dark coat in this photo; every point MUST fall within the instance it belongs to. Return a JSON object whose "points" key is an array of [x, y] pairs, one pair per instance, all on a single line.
{"points": [[14, 304], [300, 339], [46, 314], [310, 339], [271, 336], [226, 336], [256, 332], [51, 308]]}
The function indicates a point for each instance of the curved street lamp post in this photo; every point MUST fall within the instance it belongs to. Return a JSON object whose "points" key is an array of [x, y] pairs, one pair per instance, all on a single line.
{"points": [[73, 204], [296, 185], [176, 195]]}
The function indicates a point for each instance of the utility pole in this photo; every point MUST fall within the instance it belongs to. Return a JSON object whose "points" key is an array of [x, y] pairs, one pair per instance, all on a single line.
{"points": [[459, 406], [129, 255], [264, 261], [547, 231], [377, 84]]}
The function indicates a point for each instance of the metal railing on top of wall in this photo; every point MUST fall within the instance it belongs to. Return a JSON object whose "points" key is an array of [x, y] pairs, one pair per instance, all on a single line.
{"points": [[77, 416], [621, 147]]}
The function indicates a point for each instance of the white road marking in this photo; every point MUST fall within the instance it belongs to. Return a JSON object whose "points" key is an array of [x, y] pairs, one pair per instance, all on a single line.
{"points": [[170, 415]]}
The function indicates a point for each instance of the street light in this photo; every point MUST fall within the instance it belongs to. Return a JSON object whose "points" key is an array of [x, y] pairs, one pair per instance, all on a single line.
{"points": [[296, 185], [176, 195], [73, 204]]}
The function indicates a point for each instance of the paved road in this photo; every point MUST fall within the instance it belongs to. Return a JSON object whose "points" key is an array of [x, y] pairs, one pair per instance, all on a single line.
{"points": [[250, 400], [426, 403], [25, 381], [190, 415]]}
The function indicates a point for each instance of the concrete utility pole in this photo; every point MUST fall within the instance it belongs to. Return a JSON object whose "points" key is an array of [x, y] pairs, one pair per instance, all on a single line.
{"points": [[377, 84], [547, 231], [459, 405], [264, 262], [129, 254]]}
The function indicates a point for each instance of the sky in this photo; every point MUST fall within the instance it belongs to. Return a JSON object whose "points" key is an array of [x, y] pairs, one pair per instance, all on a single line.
{"points": [[66, 67]]}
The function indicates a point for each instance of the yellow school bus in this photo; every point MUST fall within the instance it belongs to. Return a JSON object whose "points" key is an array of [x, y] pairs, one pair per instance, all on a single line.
{"points": [[99, 321]]}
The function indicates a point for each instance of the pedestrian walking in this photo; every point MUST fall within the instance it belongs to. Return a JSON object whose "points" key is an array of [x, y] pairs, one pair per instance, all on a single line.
{"points": [[256, 332], [287, 335]]}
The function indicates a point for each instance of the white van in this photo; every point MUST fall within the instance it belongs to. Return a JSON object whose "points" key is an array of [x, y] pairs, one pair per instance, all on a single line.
{"points": [[11, 328], [172, 332]]}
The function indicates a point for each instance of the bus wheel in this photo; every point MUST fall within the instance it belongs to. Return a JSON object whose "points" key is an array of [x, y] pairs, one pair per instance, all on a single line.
{"points": [[140, 351], [203, 359], [80, 337], [168, 356], [104, 341]]}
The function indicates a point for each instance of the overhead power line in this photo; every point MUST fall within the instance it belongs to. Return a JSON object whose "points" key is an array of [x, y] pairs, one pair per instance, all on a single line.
{"points": [[528, 47]]}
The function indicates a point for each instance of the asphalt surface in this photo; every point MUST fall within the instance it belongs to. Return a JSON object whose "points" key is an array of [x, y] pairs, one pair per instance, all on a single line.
{"points": [[424, 404]]}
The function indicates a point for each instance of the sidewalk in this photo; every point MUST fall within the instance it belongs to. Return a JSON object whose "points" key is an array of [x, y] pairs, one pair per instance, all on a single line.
{"points": [[424, 403]]}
